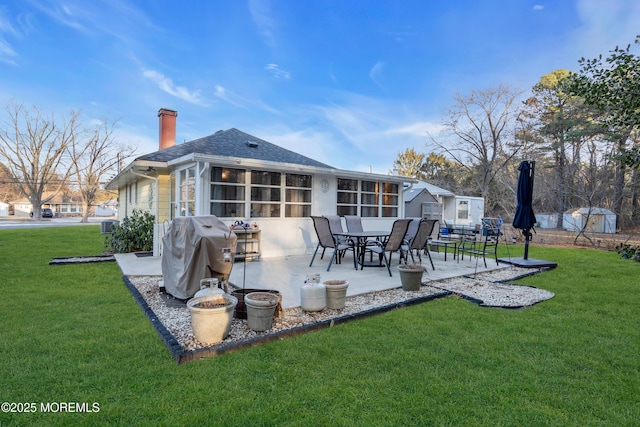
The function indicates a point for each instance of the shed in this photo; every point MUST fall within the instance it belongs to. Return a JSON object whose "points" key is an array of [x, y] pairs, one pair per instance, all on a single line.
{"points": [[4, 209], [592, 219], [547, 220]]}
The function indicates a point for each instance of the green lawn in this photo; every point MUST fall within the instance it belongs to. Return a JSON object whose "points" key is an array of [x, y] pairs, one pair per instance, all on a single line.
{"points": [[73, 333]]}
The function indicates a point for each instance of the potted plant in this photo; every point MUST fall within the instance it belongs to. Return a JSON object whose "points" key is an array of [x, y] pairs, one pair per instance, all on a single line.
{"points": [[411, 276], [211, 316], [336, 293], [261, 308]]}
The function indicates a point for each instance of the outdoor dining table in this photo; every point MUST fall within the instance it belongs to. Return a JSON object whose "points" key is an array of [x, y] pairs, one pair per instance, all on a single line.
{"points": [[360, 239]]}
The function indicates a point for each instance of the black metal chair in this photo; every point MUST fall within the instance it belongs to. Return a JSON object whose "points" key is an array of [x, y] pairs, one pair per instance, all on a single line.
{"points": [[484, 244], [326, 239], [391, 244]]}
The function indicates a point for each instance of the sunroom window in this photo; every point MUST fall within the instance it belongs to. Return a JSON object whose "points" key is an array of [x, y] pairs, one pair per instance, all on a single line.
{"points": [[227, 192]]}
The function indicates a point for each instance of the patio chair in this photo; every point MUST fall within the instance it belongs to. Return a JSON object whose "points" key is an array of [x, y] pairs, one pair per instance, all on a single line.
{"points": [[354, 223], [412, 230], [391, 244], [335, 224], [418, 242], [484, 244], [327, 240]]}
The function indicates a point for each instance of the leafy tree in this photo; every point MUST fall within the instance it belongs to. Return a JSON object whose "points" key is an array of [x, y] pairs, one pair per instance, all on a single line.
{"points": [[613, 85], [409, 163], [563, 125]]}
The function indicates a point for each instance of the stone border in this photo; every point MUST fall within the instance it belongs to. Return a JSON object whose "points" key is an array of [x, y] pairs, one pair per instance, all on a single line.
{"points": [[182, 356]]}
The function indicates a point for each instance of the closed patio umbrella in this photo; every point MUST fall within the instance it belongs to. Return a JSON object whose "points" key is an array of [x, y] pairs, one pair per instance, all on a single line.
{"points": [[524, 218]]}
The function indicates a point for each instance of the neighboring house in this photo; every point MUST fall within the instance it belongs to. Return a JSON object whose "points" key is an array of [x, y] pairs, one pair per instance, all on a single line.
{"points": [[447, 207], [107, 208], [60, 204], [236, 176], [4, 209]]}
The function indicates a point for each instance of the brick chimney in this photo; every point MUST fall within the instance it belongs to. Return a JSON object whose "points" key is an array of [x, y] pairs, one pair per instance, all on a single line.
{"points": [[167, 127]]}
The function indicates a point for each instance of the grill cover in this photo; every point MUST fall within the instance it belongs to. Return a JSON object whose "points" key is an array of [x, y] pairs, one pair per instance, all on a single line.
{"points": [[192, 250]]}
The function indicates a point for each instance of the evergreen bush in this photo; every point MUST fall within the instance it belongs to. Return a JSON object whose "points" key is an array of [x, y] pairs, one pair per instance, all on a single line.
{"points": [[133, 234]]}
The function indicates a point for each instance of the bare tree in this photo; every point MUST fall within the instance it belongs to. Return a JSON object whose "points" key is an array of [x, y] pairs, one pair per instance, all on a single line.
{"points": [[33, 149], [93, 160], [478, 129]]}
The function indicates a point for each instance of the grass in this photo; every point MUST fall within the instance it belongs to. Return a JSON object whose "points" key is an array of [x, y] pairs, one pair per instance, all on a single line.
{"points": [[73, 333]]}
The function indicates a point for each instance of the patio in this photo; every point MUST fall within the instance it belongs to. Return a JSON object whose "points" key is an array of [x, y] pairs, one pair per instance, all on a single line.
{"points": [[287, 274]]}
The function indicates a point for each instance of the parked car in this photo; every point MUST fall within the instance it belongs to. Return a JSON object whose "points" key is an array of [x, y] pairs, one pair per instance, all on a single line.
{"points": [[46, 213]]}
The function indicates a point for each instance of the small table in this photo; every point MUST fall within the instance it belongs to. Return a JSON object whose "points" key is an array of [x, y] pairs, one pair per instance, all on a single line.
{"points": [[360, 238]]}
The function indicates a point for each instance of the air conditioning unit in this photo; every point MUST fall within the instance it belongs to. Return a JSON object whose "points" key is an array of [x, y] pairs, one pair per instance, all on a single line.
{"points": [[106, 225]]}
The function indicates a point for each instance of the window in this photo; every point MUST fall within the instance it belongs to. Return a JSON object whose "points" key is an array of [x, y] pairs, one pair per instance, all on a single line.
{"points": [[369, 199], [227, 192], [298, 196], [265, 194], [389, 199], [377, 199], [187, 192], [463, 209], [347, 196], [172, 195], [259, 193]]}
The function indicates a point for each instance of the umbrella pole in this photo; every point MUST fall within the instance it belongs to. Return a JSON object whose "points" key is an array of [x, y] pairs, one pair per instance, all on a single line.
{"points": [[527, 237]]}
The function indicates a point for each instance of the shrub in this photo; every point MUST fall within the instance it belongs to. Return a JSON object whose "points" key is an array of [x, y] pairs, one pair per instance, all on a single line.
{"points": [[629, 251], [133, 234]]}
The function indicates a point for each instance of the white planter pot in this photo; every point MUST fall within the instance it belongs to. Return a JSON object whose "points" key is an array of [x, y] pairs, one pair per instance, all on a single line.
{"points": [[211, 325], [336, 293]]}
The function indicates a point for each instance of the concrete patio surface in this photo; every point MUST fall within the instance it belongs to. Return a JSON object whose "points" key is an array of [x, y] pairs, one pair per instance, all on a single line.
{"points": [[287, 274]]}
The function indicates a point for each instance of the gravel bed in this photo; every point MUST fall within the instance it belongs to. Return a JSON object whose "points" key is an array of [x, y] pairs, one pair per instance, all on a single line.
{"points": [[481, 288]]}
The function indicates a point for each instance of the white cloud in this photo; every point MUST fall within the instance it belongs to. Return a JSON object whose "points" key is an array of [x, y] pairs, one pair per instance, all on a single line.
{"points": [[166, 84], [222, 93], [538, 7], [376, 73], [7, 54], [605, 25], [277, 72], [265, 23]]}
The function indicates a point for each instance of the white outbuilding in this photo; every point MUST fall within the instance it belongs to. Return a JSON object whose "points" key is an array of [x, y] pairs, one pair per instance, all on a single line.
{"points": [[591, 219]]}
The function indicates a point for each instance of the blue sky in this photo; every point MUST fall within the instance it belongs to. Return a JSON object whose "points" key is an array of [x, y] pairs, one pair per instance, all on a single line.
{"points": [[349, 83]]}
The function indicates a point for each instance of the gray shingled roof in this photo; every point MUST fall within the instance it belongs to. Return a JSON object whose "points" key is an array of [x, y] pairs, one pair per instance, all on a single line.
{"points": [[236, 144]]}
